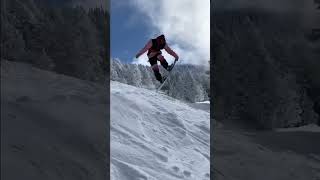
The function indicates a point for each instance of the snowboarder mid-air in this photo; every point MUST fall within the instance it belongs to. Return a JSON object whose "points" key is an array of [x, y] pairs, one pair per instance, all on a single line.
{"points": [[154, 47]]}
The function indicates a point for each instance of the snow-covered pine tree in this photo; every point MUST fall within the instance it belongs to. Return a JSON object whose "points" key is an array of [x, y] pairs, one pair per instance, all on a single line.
{"points": [[186, 82]]}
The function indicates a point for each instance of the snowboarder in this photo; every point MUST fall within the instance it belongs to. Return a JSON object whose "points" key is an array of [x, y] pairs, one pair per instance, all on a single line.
{"points": [[154, 47]]}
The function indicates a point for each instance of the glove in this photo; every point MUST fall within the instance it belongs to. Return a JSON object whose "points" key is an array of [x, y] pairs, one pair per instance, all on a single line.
{"points": [[137, 55], [176, 59]]}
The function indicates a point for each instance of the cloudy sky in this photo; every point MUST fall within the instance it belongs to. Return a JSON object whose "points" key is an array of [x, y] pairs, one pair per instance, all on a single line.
{"points": [[185, 23]]}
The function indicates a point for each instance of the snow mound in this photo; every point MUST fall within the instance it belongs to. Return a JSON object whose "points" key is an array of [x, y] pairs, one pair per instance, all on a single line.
{"points": [[306, 128], [154, 136]]}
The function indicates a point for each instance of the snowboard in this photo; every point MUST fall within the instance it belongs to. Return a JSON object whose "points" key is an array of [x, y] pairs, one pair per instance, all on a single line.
{"points": [[161, 85]]}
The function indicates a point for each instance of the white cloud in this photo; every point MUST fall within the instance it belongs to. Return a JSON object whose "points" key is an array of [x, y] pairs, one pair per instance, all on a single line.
{"points": [[185, 23], [141, 60]]}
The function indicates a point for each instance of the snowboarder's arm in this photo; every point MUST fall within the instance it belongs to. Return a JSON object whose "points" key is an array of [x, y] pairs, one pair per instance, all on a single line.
{"points": [[171, 52], [144, 49]]}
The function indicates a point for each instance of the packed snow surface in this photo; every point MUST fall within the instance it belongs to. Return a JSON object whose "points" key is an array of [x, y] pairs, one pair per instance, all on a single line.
{"points": [[306, 128], [154, 136], [204, 102]]}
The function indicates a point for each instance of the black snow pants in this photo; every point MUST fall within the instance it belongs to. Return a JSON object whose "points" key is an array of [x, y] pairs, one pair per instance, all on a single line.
{"points": [[154, 65]]}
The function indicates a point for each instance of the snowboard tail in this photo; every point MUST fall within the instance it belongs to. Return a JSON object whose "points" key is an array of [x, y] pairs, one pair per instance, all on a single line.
{"points": [[172, 66]]}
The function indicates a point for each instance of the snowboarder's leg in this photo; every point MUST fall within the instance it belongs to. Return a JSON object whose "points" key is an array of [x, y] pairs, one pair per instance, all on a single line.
{"points": [[155, 68], [156, 71], [164, 63]]}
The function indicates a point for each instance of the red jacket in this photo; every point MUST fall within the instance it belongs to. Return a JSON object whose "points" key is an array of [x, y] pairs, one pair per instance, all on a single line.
{"points": [[153, 51]]}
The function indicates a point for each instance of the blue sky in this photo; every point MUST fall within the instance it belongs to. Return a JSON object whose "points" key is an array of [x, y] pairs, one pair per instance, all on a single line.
{"points": [[129, 32], [185, 23]]}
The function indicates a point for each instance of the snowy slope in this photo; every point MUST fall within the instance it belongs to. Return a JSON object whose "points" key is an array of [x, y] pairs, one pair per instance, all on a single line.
{"points": [[154, 136], [52, 126]]}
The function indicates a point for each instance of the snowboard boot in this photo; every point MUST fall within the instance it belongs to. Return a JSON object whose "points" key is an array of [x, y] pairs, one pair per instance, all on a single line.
{"points": [[169, 68]]}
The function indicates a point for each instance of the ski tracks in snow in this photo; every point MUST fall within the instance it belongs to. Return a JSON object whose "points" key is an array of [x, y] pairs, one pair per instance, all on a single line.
{"points": [[154, 136]]}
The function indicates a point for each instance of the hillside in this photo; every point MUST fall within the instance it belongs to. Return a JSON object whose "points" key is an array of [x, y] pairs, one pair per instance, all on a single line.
{"points": [[52, 126], [154, 136], [265, 69]]}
